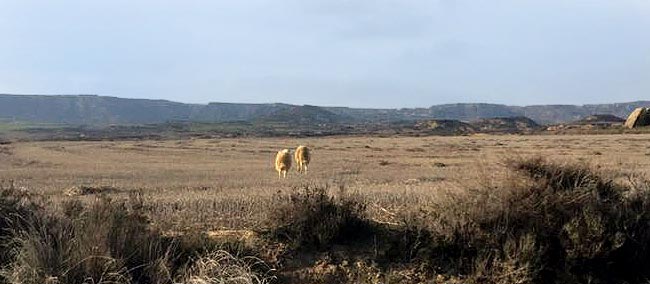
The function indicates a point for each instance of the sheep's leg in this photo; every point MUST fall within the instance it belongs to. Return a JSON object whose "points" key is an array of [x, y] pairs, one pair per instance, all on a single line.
{"points": [[305, 169], [284, 174], [279, 174]]}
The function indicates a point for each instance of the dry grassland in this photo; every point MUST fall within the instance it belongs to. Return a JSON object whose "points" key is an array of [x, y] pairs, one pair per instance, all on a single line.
{"points": [[218, 184]]}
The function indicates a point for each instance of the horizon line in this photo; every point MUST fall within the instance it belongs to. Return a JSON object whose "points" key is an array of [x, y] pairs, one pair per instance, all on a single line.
{"points": [[326, 106]]}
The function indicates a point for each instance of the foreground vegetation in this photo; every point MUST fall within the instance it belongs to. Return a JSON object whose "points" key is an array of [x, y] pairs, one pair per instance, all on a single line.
{"points": [[539, 222]]}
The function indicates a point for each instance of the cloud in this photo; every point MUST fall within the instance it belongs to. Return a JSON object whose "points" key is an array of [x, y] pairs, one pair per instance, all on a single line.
{"points": [[361, 53]]}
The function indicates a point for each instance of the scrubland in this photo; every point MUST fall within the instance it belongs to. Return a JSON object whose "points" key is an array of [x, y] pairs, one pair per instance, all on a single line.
{"points": [[469, 209]]}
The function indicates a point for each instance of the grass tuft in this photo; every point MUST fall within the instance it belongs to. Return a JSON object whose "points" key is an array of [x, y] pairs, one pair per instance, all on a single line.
{"points": [[222, 267]]}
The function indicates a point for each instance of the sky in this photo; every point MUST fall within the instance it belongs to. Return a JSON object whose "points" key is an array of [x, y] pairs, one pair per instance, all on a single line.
{"points": [[361, 53]]}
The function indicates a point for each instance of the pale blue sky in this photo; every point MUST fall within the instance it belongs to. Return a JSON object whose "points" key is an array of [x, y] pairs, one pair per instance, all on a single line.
{"points": [[375, 53]]}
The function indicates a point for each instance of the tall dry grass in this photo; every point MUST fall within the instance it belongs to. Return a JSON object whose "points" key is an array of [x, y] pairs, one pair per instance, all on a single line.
{"points": [[542, 223], [108, 241]]}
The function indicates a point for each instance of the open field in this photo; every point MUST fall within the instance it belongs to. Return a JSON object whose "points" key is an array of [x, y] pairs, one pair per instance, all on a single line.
{"points": [[463, 209], [214, 184]]}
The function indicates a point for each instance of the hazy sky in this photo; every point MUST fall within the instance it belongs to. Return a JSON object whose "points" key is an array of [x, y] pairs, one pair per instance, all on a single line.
{"points": [[373, 53]]}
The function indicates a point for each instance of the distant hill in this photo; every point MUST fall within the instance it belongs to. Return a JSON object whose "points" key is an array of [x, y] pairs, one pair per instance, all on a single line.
{"points": [[600, 119], [498, 125], [443, 127], [517, 124], [90, 109], [542, 114], [303, 115], [103, 110]]}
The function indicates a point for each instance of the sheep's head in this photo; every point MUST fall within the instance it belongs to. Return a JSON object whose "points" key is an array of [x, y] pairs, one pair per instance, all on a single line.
{"points": [[285, 151]]}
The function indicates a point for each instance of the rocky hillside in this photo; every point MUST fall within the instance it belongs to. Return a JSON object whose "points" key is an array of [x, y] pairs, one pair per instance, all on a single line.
{"points": [[542, 114], [90, 110], [499, 125], [518, 124], [303, 115], [102, 110], [601, 119]]}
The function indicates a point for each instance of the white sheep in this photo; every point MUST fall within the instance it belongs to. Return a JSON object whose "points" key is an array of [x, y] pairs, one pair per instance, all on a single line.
{"points": [[302, 157], [283, 162]]}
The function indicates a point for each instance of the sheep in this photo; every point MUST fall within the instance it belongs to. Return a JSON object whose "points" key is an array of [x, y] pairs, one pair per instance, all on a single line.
{"points": [[283, 162], [302, 157]]}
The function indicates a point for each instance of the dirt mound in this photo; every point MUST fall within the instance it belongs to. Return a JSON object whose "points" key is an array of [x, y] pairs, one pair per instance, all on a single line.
{"points": [[519, 124], [601, 119], [501, 125], [638, 118], [444, 127]]}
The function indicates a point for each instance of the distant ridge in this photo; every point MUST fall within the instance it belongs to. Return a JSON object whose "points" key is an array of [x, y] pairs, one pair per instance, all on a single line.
{"points": [[105, 110]]}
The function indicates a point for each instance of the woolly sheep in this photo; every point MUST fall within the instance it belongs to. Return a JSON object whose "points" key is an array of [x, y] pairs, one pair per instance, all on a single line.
{"points": [[302, 157], [283, 162]]}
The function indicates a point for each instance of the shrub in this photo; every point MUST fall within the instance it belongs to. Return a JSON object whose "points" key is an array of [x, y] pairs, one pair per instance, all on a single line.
{"points": [[105, 242], [546, 223], [313, 219]]}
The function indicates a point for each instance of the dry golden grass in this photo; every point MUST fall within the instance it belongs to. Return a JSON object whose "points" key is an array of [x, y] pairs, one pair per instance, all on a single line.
{"points": [[216, 184]]}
